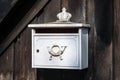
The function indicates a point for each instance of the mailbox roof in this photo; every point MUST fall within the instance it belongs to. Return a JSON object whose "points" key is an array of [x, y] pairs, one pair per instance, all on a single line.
{"points": [[60, 25]]}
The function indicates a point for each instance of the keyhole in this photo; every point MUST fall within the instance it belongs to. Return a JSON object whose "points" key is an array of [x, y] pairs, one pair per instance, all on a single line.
{"points": [[37, 50]]}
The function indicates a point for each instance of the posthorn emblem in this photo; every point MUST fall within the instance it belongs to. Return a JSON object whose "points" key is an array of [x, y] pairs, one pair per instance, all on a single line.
{"points": [[56, 51]]}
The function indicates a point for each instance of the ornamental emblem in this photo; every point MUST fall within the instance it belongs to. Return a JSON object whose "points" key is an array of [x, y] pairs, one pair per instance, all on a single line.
{"points": [[64, 16], [56, 51]]}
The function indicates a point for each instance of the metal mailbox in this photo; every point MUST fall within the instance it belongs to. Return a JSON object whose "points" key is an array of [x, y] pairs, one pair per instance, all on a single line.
{"points": [[60, 45]]}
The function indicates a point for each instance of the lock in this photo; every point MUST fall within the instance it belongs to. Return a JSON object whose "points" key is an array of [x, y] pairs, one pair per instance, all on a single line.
{"points": [[37, 50]]}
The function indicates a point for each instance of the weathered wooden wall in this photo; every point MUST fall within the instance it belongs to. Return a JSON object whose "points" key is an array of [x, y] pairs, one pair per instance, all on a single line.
{"points": [[22, 57], [15, 62], [5, 7], [103, 59], [6, 64], [116, 40]]}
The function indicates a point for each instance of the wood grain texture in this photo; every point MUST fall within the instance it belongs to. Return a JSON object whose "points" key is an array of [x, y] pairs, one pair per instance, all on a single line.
{"points": [[103, 41], [51, 11], [78, 10], [23, 70], [116, 40], [90, 19], [64, 3], [5, 7], [22, 24], [6, 64], [14, 16]]}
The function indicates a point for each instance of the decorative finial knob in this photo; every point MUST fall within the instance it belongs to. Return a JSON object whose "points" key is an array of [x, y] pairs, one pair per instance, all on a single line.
{"points": [[64, 16]]}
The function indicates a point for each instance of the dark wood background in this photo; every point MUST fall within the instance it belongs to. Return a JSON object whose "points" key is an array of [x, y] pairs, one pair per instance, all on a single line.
{"points": [[104, 43]]}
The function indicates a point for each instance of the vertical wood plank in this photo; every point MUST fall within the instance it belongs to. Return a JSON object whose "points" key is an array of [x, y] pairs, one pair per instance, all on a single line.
{"points": [[78, 10], [64, 3], [90, 18], [23, 70], [116, 40], [17, 59], [5, 7], [103, 46], [6, 64], [51, 10]]}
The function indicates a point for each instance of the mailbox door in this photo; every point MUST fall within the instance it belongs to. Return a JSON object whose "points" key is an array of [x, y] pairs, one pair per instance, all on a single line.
{"points": [[45, 44]]}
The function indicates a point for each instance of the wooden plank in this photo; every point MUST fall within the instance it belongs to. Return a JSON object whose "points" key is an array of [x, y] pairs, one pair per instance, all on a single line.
{"points": [[103, 40], [14, 16], [51, 11], [116, 40], [6, 64], [5, 7], [90, 18], [17, 58], [22, 67], [78, 9], [65, 3], [23, 23]]}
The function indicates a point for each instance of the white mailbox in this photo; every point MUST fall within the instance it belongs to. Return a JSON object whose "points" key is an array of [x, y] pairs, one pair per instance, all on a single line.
{"points": [[60, 45]]}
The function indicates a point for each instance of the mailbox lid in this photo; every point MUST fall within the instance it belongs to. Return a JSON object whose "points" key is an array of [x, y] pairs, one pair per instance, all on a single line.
{"points": [[60, 25]]}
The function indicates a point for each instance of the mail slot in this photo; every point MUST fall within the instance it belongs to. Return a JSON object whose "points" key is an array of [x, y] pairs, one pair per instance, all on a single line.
{"points": [[60, 45]]}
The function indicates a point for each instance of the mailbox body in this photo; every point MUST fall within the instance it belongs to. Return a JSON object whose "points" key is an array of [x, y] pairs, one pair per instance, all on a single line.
{"points": [[72, 46]]}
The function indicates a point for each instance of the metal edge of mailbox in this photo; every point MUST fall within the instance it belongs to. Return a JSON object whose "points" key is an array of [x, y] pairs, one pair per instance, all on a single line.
{"points": [[63, 25]]}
